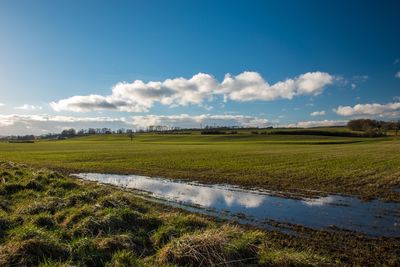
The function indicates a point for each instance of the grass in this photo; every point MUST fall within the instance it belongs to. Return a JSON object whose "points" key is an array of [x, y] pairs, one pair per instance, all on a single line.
{"points": [[288, 257], [226, 245], [366, 167], [50, 219]]}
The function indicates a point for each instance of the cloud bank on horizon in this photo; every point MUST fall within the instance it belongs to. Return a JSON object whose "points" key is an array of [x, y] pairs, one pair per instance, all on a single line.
{"points": [[43, 124], [140, 96]]}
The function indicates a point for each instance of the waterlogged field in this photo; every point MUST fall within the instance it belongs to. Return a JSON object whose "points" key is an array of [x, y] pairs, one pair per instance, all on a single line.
{"points": [[50, 219], [366, 167]]}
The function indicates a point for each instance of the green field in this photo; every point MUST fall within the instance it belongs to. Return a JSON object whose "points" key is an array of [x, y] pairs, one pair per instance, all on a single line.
{"points": [[49, 219], [367, 167]]}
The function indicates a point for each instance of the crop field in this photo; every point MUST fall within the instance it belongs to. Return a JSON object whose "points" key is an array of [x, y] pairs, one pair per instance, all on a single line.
{"points": [[306, 164]]}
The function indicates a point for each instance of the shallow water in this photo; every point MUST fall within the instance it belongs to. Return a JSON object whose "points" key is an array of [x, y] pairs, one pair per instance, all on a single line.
{"points": [[256, 207]]}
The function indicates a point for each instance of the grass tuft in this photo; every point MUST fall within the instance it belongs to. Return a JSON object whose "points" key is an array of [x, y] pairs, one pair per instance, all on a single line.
{"points": [[45, 221], [224, 246], [124, 258], [31, 252], [290, 257], [177, 227]]}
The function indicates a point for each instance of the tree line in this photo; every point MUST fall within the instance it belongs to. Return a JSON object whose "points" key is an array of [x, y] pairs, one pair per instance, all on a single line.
{"points": [[374, 127]]}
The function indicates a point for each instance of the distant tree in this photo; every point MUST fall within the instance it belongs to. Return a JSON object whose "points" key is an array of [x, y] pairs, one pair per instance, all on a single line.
{"points": [[68, 133], [130, 134], [106, 131], [373, 127]]}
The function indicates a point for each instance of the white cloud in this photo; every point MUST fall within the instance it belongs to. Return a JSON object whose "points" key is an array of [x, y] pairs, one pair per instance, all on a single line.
{"points": [[28, 107], [323, 123], [397, 75], [369, 109], [139, 96], [318, 113], [2, 104], [249, 86]]}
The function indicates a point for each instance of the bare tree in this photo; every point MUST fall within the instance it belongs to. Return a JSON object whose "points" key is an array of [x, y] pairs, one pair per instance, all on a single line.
{"points": [[130, 134]]}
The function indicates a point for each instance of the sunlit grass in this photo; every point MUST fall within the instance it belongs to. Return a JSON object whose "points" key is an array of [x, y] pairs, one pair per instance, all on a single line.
{"points": [[49, 219], [360, 166]]}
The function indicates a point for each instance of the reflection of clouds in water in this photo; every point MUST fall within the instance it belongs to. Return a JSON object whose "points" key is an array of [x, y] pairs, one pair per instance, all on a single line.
{"points": [[321, 201], [200, 195], [344, 212], [187, 193]]}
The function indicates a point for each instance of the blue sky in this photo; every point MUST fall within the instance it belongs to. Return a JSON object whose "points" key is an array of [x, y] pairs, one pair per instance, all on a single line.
{"points": [[337, 60]]}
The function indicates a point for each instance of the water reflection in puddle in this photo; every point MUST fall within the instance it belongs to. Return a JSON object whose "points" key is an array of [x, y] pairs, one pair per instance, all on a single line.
{"points": [[373, 218]]}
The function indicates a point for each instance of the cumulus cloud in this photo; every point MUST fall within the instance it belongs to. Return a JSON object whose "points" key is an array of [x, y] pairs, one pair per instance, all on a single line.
{"points": [[140, 96], [369, 109], [323, 123], [249, 86], [28, 107], [318, 113], [397, 75]]}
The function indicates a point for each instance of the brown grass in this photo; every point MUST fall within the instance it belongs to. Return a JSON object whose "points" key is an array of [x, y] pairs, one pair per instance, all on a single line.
{"points": [[210, 248]]}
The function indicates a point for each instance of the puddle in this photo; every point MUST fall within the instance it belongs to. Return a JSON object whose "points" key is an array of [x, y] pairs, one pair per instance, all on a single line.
{"points": [[373, 218]]}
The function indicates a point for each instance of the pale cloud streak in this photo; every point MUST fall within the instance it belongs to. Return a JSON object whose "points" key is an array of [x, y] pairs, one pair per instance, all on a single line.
{"points": [[140, 96], [188, 121], [322, 123], [318, 113], [357, 80], [28, 107]]}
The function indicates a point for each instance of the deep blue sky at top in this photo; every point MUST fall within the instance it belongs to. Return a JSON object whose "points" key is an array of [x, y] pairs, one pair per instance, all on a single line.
{"points": [[50, 50]]}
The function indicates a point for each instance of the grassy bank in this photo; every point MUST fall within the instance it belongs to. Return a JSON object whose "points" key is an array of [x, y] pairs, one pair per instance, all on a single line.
{"points": [[49, 219], [367, 167]]}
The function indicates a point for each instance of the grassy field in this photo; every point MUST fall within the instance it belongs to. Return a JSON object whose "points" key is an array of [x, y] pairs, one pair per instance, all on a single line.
{"points": [[367, 167], [359, 166], [49, 219]]}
